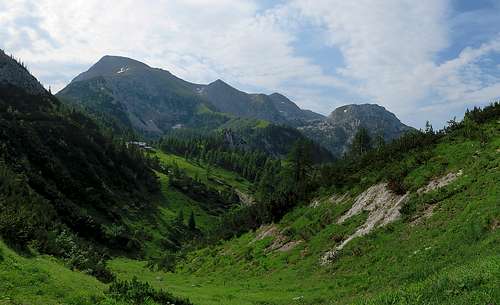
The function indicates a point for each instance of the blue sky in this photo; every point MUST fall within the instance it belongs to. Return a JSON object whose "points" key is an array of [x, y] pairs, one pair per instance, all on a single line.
{"points": [[422, 60]]}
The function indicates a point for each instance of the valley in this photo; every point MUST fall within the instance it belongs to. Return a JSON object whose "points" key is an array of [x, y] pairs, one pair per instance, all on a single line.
{"points": [[397, 263], [237, 198]]}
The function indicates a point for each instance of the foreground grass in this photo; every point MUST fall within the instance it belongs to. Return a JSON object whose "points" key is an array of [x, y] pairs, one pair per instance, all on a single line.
{"points": [[42, 280]]}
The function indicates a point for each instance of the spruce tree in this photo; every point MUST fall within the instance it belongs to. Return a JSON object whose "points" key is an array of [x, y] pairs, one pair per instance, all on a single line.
{"points": [[192, 222], [300, 159], [361, 143], [179, 221]]}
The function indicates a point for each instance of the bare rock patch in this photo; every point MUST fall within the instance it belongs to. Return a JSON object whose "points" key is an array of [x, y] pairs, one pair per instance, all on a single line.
{"points": [[383, 207], [281, 242], [440, 182]]}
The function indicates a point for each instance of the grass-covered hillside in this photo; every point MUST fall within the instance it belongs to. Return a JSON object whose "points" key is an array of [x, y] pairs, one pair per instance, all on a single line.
{"points": [[42, 280], [442, 249], [175, 199], [64, 186]]}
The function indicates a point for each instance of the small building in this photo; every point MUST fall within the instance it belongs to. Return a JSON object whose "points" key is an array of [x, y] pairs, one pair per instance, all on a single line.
{"points": [[141, 145]]}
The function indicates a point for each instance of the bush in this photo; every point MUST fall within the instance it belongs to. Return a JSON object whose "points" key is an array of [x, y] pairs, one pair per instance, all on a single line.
{"points": [[139, 293], [81, 256], [166, 262], [396, 186], [395, 181]]}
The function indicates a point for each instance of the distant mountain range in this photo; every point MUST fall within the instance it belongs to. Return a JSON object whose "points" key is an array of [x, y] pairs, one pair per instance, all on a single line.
{"points": [[153, 101], [336, 132], [275, 108]]}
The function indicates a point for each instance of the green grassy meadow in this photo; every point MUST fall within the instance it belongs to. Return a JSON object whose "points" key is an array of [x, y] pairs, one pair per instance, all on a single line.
{"points": [[218, 178], [42, 280]]}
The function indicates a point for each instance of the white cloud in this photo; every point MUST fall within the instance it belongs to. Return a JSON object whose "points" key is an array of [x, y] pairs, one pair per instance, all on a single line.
{"points": [[196, 40], [387, 44], [390, 48]]}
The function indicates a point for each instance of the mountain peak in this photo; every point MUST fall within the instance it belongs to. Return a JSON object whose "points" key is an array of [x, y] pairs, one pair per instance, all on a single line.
{"points": [[120, 60], [338, 130], [361, 112], [112, 65], [14, 73], [277, 95], [220, 83], [224, 88]]}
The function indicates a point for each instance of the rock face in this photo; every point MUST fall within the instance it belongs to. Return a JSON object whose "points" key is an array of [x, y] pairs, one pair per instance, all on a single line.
{"points": [[337, 131], [280, 242], [440, 182], [14, 74]]}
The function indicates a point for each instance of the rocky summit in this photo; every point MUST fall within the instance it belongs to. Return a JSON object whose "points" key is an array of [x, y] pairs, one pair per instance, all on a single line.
{"points": [[337, 131]]}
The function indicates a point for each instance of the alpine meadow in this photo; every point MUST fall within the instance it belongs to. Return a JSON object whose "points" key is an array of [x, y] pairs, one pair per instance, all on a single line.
{"points": [[162, 152]]}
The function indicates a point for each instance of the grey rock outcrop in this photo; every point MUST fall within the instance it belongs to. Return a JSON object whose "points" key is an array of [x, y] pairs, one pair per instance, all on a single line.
{"points": [[337, 131]]}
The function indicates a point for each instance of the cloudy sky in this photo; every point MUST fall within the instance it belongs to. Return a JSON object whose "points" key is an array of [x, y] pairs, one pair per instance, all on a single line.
{"points": [[423, 60]]}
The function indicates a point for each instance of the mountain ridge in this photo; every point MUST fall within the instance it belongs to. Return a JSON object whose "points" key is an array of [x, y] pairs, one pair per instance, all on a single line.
{"points": [[154, 101], [218, 93], [147, 99]]}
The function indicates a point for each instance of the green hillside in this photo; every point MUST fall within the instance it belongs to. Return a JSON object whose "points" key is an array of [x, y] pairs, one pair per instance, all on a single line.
{"points": [[171, 201], [71, 192], [42, 280], [444, 249], [217, 177]]}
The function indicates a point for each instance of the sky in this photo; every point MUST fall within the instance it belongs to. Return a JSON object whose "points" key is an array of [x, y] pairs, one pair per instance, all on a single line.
{"points": [[425, 60]]}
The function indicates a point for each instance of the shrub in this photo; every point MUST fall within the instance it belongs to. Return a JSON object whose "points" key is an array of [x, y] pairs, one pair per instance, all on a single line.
{"points": [[396, 186], [81, 256], [139, 293], [395, 180], [166, 262]]}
